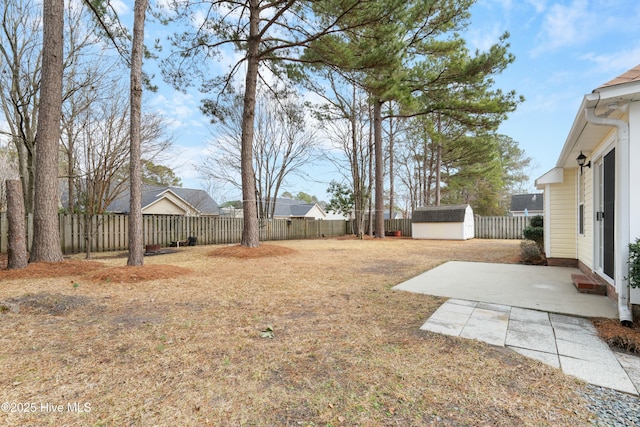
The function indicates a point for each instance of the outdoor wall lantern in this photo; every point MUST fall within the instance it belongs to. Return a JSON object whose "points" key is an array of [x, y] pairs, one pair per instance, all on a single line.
{"points": [[582, 162]]}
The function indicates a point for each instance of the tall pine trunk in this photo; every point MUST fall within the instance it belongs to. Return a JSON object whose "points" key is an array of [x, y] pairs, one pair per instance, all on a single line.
{"points": [[17, 253], [439, 161], [250, 231], [379, 165], [391, 171], [46, 235], [136, 250]]}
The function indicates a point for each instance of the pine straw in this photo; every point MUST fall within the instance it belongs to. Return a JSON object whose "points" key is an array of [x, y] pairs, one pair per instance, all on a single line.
{"points": [[186, 349], [138, 274], [40, 270], [617, 336]]}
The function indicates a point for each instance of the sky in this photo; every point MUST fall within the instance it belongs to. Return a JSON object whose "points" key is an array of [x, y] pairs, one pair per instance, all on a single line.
{"points": [[563, 49]]}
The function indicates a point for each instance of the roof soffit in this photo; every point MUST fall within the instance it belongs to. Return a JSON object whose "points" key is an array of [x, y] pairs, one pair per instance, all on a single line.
{"points": [[584, 136]]}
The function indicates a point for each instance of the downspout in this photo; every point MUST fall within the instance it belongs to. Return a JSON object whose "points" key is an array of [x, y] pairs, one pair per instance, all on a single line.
{"points": [[622, 217]]}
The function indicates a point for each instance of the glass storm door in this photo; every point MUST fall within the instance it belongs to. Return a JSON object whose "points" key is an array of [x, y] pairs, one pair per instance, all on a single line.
{"points": [[606, 215]]}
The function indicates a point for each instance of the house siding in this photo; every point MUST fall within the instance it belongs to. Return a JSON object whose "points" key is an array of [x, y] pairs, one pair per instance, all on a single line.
{"points": [[585, 241], [562, 224], [316, 213], [163, 207], [634, 171]]}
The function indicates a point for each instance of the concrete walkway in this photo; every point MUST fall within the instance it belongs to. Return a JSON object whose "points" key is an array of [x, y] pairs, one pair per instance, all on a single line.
{"points": [[531, 310]]}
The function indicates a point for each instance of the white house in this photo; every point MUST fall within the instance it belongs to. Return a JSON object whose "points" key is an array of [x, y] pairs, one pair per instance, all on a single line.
{"points": [[453, 222], [592, 196], [286, 208]]}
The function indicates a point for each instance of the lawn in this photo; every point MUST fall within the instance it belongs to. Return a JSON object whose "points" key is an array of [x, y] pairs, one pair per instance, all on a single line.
{"points": [[300, 333]]}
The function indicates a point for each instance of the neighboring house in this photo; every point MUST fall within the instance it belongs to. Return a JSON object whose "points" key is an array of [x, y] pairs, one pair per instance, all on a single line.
{"points": [[334, 216], [385, 214], [592, 211], [527, 204], [169, 201], [290, 208], [449, 222]]}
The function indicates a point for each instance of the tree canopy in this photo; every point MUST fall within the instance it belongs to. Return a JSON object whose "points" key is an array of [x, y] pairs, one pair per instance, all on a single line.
{"points": [[404, 104]]}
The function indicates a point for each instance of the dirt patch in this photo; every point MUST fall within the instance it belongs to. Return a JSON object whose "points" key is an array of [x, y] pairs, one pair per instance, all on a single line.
{"points": [[45, 303], [136, 274], [389, 267], [243, 252]]}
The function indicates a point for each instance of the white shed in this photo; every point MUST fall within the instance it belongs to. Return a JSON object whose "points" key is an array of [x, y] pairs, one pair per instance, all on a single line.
{"points": [[453, 222]]}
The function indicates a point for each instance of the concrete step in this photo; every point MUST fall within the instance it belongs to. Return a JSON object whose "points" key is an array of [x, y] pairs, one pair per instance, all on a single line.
{"points": [[586, 285]]}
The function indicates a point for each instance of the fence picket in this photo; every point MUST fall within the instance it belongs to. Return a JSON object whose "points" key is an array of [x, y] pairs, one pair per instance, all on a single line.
{"points": [[113, 230]]}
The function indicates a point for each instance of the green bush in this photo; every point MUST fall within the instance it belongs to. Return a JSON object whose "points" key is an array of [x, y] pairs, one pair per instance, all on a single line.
{"points": [[634, 264], [537, 221], [535, 231]]}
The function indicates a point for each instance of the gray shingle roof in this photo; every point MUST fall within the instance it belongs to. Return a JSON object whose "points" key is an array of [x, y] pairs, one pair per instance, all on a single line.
{"points": [[448, 213], [292, 208], [199, 199], [530, 202]]}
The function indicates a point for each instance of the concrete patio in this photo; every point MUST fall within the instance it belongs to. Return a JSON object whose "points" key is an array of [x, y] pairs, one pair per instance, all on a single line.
{"points": [[534, 310]]}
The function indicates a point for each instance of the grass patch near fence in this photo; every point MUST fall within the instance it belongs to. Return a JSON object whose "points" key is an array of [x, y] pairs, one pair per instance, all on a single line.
{"points": [[310, 335]]}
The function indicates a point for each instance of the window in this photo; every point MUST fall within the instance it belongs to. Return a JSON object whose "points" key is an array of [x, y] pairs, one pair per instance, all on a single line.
{"points": [[581, 218]]}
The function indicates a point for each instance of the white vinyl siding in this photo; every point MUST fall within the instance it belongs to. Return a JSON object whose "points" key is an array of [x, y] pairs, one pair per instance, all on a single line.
{"points": [[585, 240], [562, 221], [164, 207]]}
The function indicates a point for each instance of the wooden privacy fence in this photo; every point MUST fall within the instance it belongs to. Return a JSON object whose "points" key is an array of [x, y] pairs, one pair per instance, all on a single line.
{"points": [[111, 231], [485, 227], [500, 227]]}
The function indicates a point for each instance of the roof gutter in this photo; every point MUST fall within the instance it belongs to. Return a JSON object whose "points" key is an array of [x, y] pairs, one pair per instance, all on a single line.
{"points": [[622, 216]]}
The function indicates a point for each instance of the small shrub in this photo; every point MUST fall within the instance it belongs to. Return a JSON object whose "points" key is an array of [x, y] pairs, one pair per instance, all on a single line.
{"points": [[531, 253], [634, 264], [537, 221], [535, 231]]}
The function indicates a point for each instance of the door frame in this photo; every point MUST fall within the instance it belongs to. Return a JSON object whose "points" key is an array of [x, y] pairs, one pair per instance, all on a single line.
{"points": [[598, 208]]}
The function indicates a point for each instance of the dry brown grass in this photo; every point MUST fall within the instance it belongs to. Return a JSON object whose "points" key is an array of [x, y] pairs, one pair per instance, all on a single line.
{"points": [[178, 342]]}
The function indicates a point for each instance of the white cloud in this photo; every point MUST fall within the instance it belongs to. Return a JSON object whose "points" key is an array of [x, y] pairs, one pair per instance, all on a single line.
{"points": [[538, 5], [185, 161], [613, 62], [120, 7], [179, 109], [581, 22], [565, 25], [483, 39]]}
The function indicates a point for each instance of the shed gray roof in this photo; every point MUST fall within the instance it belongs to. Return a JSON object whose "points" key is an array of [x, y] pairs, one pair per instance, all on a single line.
{"points": [[449, 213], [530, 202]]}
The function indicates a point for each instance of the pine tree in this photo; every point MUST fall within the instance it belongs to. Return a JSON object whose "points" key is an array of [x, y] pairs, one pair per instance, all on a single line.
{"points": [[46, 234]]}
